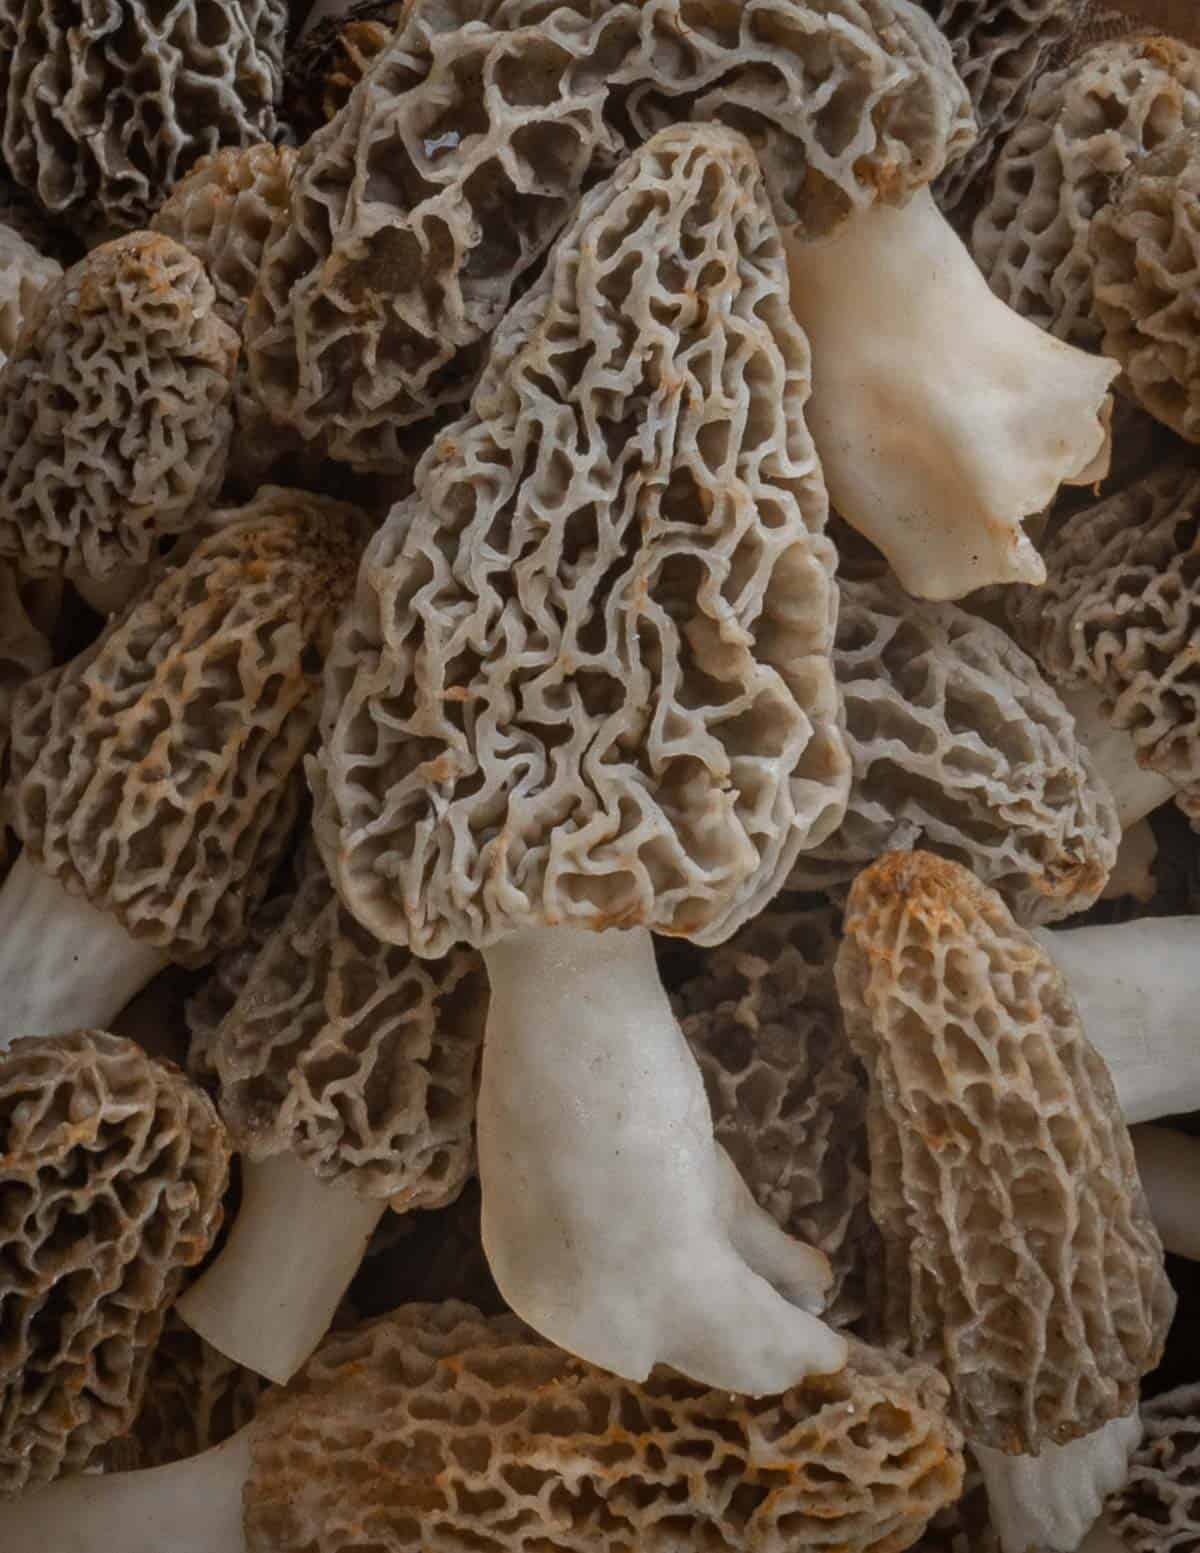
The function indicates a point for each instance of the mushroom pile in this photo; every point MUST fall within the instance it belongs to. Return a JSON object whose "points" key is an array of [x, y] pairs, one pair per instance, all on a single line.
{"points": [[599, 768]]}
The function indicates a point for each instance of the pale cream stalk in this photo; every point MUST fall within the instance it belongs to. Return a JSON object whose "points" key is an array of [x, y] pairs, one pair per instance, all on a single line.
{"points": [[942, 418], [296, 1243], [191, 1506], [1133, 871], [64, 965], [612, 1221], [1138, 789]]}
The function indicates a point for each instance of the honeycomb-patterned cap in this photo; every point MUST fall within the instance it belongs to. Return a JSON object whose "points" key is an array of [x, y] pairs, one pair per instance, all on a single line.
{"points": [[1019, 1254], [112, 1170], [158, 773], [460, 156], [437, 1428], [115, 409], [586, 679]]}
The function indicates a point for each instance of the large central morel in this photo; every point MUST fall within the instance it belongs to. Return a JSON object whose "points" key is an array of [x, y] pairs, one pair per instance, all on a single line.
{"points": [[586, 686]]}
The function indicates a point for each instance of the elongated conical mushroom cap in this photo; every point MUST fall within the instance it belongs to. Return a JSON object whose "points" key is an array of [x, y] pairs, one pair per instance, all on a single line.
{"points": [[1086, 124], [586, 679], [787, 1094], [115, 409], [959, 746], [430, 1419], [1019, 1251], [355, 1056], [105, 109], [378, 294], [1120, 613], [158, 774], [112, 1170]]}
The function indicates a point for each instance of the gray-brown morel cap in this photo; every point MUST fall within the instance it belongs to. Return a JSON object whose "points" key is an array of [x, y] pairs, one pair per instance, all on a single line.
{"points": [[1120, 614], [105, 107], [960, 747], [355, 1056], [112, 1171], [115, 410], [158, 774], [786, 1091], [586, 678], [435, 1421], [1085, 125], [461, 155], [1158, 1508], [1019, 1254]]}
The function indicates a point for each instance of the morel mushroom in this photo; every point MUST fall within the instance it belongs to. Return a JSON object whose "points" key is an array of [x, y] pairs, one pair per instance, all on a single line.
{"points": [[1157, 1510], [347, 1071], [106, 107], [1019, 1254], [1145, 247], [584, 691], [435, 1428], [1118, 620], [115, 410], [1087, 124], [112, 1170], [1000, 49], [960, 747], [156, 777], [786, 1091]]}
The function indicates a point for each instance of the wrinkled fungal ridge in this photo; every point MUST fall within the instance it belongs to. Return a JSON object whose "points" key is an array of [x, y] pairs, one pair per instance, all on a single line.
{"points": [[377, 297], [112, 1175], [158, 772], [586, 679], [960, 747], [1158, 1509], [355, 1056], [479, 1430], [1019, 1251]]}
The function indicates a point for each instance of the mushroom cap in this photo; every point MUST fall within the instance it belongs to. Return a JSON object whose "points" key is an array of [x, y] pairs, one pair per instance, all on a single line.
{"points": [[1121, 611], [1000, 48], [1086, 124], [112, 1172], [24, 272], [158, 773], [355, 1056], [1019, 1254], [586, 677], [1145, 248], [105, 107], [960, 747], [436, 1426], [1158, 1509], [378, 294], [223, 212], [115, 409], [194, 1398], [787, 1094]]}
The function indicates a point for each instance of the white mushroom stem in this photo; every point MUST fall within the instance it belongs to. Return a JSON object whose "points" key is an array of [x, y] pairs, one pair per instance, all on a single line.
{"points": [[296, 1243], [1138, 789], [191, 1506], [64, 965], [1133, 871], [942, 418], [1169, 1165], [1052, 1499], [1138, 994], [613, 1223]]}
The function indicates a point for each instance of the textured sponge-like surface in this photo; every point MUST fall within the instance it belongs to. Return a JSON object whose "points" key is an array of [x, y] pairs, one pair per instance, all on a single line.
{"points": [[959, 746], [460, 157], [438, 1429], [1158, 1509], [112, 1169], [355, 1056], [586, 679], [1019, 1251], [158, 773]]}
